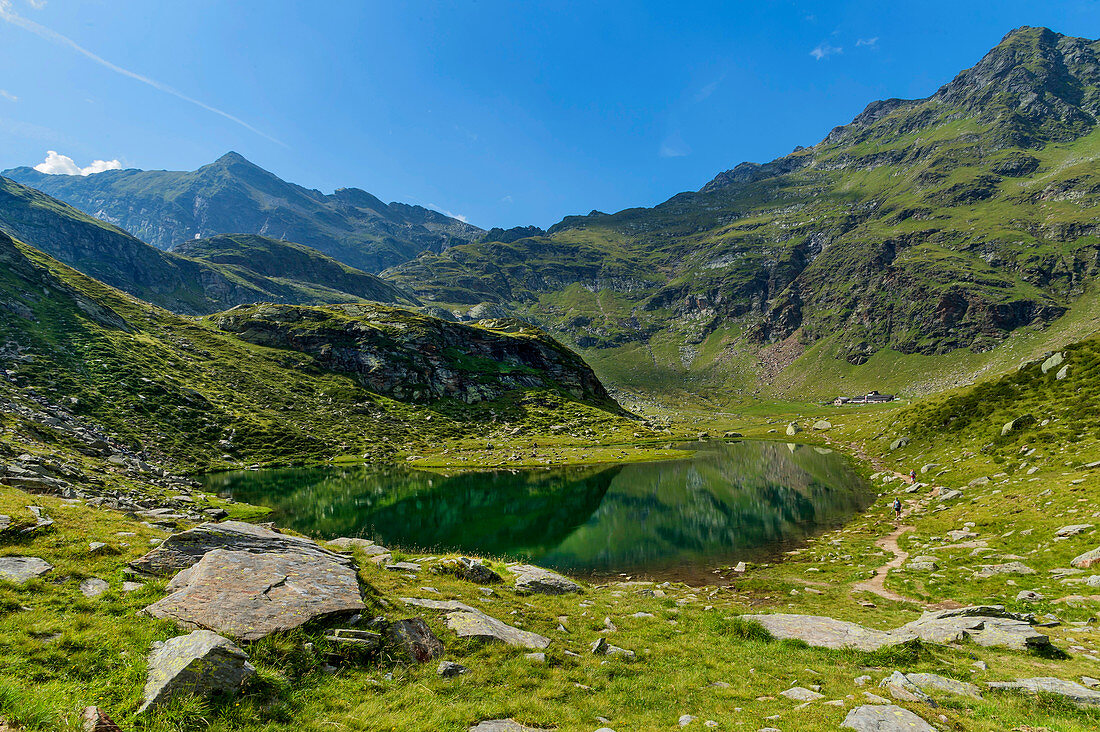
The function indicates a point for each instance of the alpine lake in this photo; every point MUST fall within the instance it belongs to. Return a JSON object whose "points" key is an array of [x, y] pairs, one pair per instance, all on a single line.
{"points": [[669, 520]]}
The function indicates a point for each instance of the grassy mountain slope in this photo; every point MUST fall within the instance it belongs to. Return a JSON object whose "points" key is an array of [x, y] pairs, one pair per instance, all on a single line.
{"points": [[283, 271], [211, 281], [230, 195], [192, 394], [921, 228]]}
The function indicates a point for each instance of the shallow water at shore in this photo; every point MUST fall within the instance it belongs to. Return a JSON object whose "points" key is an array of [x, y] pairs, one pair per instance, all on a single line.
{"points": [[677, 519]]}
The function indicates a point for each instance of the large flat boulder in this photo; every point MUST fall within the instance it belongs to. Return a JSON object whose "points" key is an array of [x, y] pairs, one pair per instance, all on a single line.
{"points": [[826, 632], [485, 628], [182, 550], [986, 625], [22, 569], [532, 580], [201, 664], [1070, 690], [935, 682], [248, 596], [885, 718]]}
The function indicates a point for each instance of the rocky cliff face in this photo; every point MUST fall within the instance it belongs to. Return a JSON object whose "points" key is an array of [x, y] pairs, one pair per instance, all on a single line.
{"points": [[416, 358], [232, 195]]}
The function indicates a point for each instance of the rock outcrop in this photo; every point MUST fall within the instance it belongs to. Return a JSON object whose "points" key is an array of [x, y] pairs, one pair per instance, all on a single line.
{"points": [[885, 718], [22, 569], [417, 358]]}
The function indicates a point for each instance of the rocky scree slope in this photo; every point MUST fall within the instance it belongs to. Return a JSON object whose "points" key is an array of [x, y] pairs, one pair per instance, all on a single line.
{"points": [[233, 195], [923, 226], [191, 395], [222, 273], [416, 357]]}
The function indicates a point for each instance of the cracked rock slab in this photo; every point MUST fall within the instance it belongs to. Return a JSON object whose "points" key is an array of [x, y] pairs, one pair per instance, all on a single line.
{"points": [[249, 596], [505, 725], [183, 550]]}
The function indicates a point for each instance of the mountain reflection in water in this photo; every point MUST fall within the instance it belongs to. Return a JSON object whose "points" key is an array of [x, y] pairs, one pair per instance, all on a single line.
{"points": [[676, 519]]}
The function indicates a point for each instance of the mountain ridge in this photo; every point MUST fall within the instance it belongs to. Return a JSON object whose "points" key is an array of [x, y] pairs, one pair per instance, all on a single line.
{"points": [[233, 195]]}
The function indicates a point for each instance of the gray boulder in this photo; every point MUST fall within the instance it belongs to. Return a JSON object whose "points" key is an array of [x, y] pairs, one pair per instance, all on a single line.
{"points": [[798, 693], [1019, 423], [412, 641], [93, 587], [482, 627], [990, 570], [1087, 559], [22, 569], [248, 596], [986, 625], [793, 429], [532, 580], [182, 550], [1053, 362], [899, 443], [504, 725], [884, 718], [1072, 530], [447, 669], [1070, 690], [202, 663], [927, 682], [823, 424], [1029, 596]]}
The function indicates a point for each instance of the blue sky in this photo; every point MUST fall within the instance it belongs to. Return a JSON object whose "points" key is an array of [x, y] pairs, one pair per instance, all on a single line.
{"points": [[505, 113]]}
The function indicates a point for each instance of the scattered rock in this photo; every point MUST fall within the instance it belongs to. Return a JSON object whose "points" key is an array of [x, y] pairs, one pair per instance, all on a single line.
{"points": [[447, 669], [989, 570], [403, 567], [536, 657], [201, 663], [1029, 596], [798, 693], [986, 625], [899, 443], [1072, 530], [1019, 423], [93, 587], [942, 683], [536, 580], [884, 718], [602, 648], [823, 424], [470, 570], [22, 569], [902, 689], [412, 641], [1062, 373], [347, 545], [249, 596], [1071, 690], [793, 429], [363, 640]]}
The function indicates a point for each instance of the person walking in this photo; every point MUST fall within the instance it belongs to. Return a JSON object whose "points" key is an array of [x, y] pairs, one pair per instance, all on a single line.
{"points": [[897, 508]]}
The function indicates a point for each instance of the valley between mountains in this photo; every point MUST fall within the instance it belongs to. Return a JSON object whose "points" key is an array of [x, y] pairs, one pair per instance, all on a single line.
{"points": [[276, 458]]}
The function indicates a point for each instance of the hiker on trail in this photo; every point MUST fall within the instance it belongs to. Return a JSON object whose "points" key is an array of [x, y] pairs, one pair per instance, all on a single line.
{"points": [[912, 476], [897, 508]]}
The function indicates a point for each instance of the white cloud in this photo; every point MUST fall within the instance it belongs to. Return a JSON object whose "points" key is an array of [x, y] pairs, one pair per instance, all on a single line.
{"points": [[37, 4], [872, 42], [709, 89], [673, 146], [824, 51], [8, 95], [9, 16], [57, 164], [506, 199]]}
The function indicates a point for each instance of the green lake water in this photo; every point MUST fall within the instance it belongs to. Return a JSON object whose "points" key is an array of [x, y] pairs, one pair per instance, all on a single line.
{"points": [[676, 519]]}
